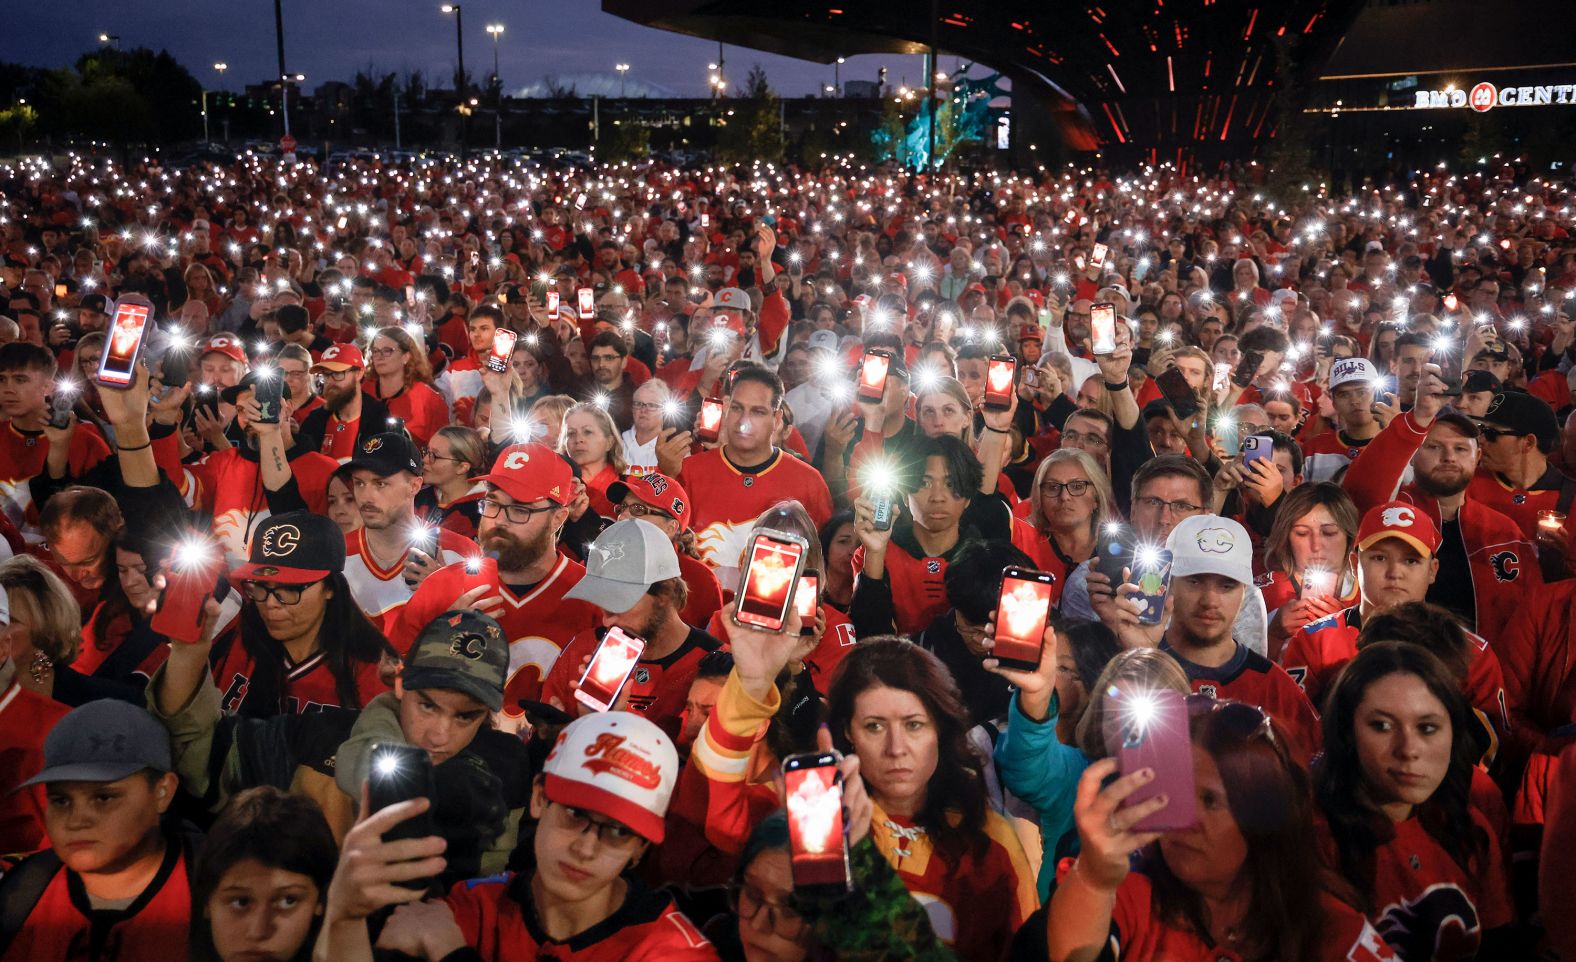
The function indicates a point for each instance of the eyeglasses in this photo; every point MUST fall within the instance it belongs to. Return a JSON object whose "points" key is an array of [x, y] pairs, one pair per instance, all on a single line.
{"points": [[385, 351], [1240, 719], [336, 376], [429, 456], [512, 513], [638, 509], [1177, 507], [608, 832], [1075, 437], [747, 901], [644, 405], [286, 595], [1073, 489]]}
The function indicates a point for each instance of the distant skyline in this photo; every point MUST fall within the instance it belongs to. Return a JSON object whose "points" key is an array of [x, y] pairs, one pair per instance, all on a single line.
{"points": [[333, 40]]}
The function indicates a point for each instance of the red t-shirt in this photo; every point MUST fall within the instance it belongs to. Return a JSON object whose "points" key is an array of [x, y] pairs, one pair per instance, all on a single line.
{"points": [[25, 719], [422, 409]]}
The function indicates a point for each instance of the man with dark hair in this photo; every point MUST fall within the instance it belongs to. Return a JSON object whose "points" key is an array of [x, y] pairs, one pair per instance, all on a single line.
{"points": [[461, 380], [711, 672], [27, 382], [295, 327], [973, 586], [1412, 351], [1271, 345], [1516, 478], [348, 416], [611, 388]]}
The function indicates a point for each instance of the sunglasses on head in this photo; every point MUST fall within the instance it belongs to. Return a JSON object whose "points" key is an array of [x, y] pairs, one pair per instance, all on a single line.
{"points": [[1242, 720]]}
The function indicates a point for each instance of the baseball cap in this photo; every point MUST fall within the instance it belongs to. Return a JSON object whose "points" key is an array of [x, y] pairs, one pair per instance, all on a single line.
{"points": [[826, 339], [898, 278], [1348, 370], [1282, 295], [104, 741], [1030, 332], [515, 294], [94, 302], [1398, 519], [294, 548], [731, 298], [462, 651], [1519, 413], [1494, 351], [626, 559], [232, 394], [340, 357], [657, 490], [227, 344], [1207, 544], [1476, 382], [531, 472], [388, 453], [615, 764]]}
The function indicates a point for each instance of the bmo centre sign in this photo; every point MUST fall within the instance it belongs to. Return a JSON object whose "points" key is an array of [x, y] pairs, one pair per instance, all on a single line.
{"points": [[1485, 96]]}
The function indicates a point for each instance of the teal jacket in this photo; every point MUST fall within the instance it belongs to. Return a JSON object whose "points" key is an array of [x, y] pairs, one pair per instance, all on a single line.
{"points": [[1035, 766]]}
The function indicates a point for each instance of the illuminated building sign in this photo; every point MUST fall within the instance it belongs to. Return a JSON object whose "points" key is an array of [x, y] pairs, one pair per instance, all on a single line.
{"points": [[1485, 96]]}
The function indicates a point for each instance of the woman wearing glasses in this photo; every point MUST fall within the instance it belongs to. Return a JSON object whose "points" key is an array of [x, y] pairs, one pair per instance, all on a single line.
{"points": [[402, 379], [1241, 883], [454, 460], [1071, 501]]}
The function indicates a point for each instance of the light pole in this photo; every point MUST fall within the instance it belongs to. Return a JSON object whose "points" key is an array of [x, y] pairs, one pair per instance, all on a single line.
{"points": [[110, 40], [623, 70], [459, 77], [837, 75], [221, 67], [496, 30]]}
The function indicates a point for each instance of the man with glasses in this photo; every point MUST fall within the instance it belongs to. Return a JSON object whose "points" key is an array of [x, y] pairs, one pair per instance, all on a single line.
{"points": [[348, 415], [1089, 431], [610, 387], [529, 491], [662, 501]]}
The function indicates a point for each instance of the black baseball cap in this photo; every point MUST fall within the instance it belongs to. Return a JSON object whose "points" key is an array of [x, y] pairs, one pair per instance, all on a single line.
{"points": [[1478, 381], [1519, 413], [388, 453], [104, 741], [94, 302], [232, 394], [294, 548], [463, 651]]}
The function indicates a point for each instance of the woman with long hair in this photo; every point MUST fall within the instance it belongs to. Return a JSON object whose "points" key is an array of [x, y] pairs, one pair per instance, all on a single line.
{"points": [[401, 378], [260, 880], [895, 706], [943, 407], [1394, 787], [838, 543], [591, 440], [451, 498], [1070, 502], [1308, 570], [201, 288]]}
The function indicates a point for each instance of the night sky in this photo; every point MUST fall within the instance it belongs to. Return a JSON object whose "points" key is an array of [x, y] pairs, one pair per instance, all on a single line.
{"points": [[334, 39]]}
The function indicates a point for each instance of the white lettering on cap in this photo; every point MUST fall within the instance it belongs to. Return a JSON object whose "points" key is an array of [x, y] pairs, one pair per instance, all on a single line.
{"points": [[1398, 517]]}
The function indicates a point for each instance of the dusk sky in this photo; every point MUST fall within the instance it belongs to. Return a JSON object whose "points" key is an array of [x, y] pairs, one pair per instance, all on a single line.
{"points": [[333, 39]]}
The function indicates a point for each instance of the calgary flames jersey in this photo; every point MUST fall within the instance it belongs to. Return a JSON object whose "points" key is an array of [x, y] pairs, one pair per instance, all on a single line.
{"points": [[380, 591], [22, 456], [727, 501]]}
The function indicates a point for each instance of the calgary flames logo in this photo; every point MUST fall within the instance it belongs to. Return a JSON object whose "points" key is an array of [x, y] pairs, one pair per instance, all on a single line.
{"points": [[769, 574], [1000, 378], [607, 755]]}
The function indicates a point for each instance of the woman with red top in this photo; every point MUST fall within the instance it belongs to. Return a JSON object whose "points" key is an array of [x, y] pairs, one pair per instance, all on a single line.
{"points": [[201, 288], [591, 440], [401, 378], [1240, 883], [454, 460], [1308, 571], [1070, 502], [1394, 786]]}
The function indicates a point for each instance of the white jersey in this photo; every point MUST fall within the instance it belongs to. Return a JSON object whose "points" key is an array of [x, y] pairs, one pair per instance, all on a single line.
{"points": [[380, 592]]}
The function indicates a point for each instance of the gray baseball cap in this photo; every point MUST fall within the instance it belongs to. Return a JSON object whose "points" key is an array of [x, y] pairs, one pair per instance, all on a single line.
{"points": [[462, 651], [629, 557], [104, 741]]}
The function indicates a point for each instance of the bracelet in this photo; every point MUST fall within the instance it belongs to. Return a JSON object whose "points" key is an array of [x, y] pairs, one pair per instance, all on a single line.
{"points": [[1114, 388], [139, 447], [996, 430]]}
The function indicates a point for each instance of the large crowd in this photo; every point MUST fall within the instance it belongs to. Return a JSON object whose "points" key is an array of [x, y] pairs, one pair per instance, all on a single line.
{"points": [[404, 596]]}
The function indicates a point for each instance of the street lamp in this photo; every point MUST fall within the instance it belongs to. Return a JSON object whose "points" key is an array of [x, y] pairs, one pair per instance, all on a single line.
{"points": [[623, 70], [221, 67], [459, 78], [111, 39], [495, 30]]}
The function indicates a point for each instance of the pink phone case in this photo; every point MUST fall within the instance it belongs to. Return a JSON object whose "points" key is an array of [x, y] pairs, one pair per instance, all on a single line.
{"points": [[1162, 744]]}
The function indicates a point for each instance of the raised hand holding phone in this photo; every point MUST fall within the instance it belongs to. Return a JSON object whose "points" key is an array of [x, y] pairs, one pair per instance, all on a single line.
{"points": [[371, 868], [1036, 686], [759, 656], [1107, 834]]}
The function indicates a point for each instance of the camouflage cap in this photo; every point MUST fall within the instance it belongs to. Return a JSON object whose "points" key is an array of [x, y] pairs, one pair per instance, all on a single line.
{"points": [[462, 651]]}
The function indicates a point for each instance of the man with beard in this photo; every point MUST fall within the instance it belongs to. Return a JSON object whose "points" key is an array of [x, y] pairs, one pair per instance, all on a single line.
{"points": [[348, 417], [633, 578], [392, 551], [1486, 563], [528, 495]]}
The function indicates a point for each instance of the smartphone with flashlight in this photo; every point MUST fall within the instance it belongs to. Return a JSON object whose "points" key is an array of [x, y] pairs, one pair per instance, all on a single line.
{"points": [[609, 670], [1452, 303], [1222, 377], [187, 587], [817, 835], [60, 290], [502, 350], [807, 600], [883, 511], [1000, 373], [1152, 575], [1022, 610], [676, 416], [480, 571], [587, 303], [1257, 447], [1316, 583], [773, 564], [1097, 259], [580, 201], [269, 393], [873, 369], [705, 220], [1178, 392], [1227, 434], [1102, 328], [1154, 735], [708, 423], [401, 773], [1247, 368], [128, 330], [62, 403], [1115, 556], [552, 303]]}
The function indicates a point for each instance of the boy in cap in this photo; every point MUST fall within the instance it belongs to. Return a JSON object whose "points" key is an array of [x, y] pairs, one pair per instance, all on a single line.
{"points": [[633, 578], [600, 804], [1352, 381], [113, 876]]}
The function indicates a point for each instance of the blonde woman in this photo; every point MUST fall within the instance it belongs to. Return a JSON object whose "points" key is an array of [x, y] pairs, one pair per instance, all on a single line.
{"points": [[591, 440], [1070, 501]]}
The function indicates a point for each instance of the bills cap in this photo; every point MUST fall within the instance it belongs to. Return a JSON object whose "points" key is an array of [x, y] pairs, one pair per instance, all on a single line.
{"points": [[104, 741], [531, 472], [615, 764], [295, 548], [1349, 370], [1207, 544], [1401, 520], [462, 651], [625, 560]]}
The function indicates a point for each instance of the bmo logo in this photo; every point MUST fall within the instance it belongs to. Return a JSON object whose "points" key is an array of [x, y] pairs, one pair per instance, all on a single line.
{"points": [[1483, 97]]}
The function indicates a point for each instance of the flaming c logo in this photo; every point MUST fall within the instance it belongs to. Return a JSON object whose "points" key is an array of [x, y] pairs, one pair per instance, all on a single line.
{"points": [[1023, 609], [768, 575], [1398, 517], [281, 541]]}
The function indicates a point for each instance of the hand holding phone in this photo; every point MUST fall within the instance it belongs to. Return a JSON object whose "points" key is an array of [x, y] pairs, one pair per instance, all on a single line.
{"points": [[1023, 609], [502, 350], [1102, 329], [1178, 392], [772, 567], [817, 832], [1247, 368], [128, 329], [401, 773], [1000, 375], [1258, 447], [1153, 733], [187, 587], [807, 600], [708, 423], [873, 371], [609, 670]]}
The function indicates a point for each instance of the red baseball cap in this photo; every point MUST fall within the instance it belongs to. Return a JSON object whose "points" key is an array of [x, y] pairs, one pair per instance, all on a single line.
{"points": [[657, 490], [531, 472], [227, 344], [1402, 520], [341, 357], [900, 279], [1030, 332], [975, 288]]}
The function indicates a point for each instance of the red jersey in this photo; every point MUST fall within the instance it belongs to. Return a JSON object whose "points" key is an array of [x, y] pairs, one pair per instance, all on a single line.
{"points": [[1325, 455], [1539, 661], [309, 685], [339, 438], [1255, 680], [380, 592], [657, 688], [228, 485], [596, 491], [538, 622], [22, 457], [1424, 904], [727, 501], [918, 584], [705, 594], [63, 926], [422, 409], [837, 641], [1522, 505], [25, 718], [648, 927]]}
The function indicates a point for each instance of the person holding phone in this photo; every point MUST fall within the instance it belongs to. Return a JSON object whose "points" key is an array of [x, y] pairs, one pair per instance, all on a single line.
{"points": [[27, 382], [451, 492], [1242, 880], [1308, 572], [599, 805]]}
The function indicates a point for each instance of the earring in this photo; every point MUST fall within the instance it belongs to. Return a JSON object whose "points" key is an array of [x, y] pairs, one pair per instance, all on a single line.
{"points": [[41, 667]]}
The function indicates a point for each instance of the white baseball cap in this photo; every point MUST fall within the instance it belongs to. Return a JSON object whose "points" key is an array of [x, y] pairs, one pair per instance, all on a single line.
{"points": [[625, 560], [1350, 369], [615, 764], [1207, 544]]}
